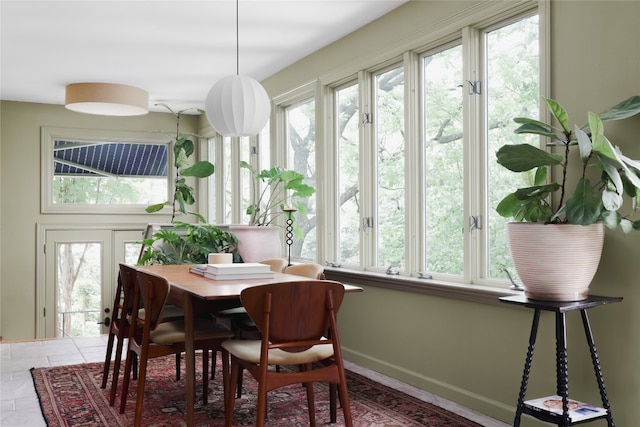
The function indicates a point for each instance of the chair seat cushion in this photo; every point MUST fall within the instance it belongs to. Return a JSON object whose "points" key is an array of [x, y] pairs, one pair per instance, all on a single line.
{"points": [[173, 332], [249, 350], [231, 312], [168, 312]]}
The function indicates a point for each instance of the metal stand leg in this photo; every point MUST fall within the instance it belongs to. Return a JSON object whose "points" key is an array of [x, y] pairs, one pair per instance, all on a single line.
{"points": [[596, 367], [562, 388], [527, 367]]}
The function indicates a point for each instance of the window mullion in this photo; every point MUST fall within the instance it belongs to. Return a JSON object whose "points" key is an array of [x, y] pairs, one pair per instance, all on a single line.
{"points": [[413, 153], [367, 172], [475, 175]]}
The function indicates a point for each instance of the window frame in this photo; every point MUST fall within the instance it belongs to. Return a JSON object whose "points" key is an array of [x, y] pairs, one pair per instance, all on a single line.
{"points": [[49, 135], [464, 28]]}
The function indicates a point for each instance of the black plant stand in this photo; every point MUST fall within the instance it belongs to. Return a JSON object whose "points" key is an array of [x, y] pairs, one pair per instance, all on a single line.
{"points": [[560, 309]]}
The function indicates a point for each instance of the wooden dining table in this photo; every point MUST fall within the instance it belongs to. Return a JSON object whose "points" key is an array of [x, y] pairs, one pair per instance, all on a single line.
{"points": [[196, 294]]}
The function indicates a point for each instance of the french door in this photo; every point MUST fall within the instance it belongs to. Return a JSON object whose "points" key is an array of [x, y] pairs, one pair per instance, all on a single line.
{"points": [[80, 274]]}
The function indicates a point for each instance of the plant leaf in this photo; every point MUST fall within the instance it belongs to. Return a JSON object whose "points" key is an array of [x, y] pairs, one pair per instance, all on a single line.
{"points": [[611, 219], [156, 208], [585, 204], [200, 169], [524, 157], [540, 176], [627, 108], [584, 144], [559, 113], [611, 200], [536, 128]]}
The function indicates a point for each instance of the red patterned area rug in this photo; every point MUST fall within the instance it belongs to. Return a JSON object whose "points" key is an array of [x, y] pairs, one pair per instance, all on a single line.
{"points": [[71, 396]]}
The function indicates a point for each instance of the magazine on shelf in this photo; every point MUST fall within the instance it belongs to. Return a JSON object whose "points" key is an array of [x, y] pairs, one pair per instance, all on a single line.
{"points": [[238, 267], [552, 405], [237, 276]]}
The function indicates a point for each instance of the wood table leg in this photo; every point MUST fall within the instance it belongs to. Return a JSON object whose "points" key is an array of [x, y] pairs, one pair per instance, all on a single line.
{"points": [[190, 357]]}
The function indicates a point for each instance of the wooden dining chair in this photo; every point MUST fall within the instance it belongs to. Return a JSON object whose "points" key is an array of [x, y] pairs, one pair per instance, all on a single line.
{"points": [[297, 321], [119, 328], [149, 338], [306, 269], [244, 327]]}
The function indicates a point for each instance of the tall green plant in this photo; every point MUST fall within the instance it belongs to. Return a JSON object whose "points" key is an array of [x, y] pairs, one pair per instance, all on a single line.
{"points": [[590, 202], [280, 185], [183, 147]]}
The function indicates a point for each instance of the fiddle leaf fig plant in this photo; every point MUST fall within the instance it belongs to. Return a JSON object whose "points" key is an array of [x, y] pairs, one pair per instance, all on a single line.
{"points": [[183, 147], [619, 176], [270, 202]]}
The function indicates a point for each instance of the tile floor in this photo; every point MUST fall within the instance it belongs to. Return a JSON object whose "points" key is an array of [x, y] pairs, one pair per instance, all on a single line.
{"points": [[19, 404]]}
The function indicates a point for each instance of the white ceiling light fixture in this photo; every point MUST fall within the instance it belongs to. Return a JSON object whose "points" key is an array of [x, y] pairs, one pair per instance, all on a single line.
{"points": [[106, 99], [237, 105]]}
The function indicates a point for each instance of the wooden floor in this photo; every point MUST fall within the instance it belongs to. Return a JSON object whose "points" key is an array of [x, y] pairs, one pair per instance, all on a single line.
{"points": [[19, 405]]}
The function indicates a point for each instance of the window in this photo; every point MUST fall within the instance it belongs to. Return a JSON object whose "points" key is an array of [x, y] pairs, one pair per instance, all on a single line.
{"points": [[301, 157], [444, 171], [231, 181], [512, 90], [87, 171], [403, 150], [389, 220], [348, 158]]}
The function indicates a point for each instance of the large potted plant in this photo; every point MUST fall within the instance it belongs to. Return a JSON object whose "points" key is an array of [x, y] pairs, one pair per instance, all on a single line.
{"points": [[272, 194], [183, 147], [557, 237]]}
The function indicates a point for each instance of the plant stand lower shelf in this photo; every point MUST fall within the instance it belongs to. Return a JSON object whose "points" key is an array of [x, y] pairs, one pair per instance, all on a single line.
{"points": [[564, 415]]}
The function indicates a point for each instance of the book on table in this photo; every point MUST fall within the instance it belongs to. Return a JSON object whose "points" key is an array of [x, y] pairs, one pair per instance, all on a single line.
{"points": [[198, 269], [552, 405], [238, 267], [237, 276]]}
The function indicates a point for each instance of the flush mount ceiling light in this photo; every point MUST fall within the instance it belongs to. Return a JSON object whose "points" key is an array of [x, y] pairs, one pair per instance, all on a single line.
{"points": [[237, 105], [107, 99]]}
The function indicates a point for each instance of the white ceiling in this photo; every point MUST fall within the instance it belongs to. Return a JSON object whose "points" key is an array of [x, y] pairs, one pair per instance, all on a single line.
{"points": [[176, 50]]}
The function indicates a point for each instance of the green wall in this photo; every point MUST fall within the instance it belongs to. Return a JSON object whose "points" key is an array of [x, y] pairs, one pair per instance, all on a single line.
{"points": [[20, 125], [468, 352]]}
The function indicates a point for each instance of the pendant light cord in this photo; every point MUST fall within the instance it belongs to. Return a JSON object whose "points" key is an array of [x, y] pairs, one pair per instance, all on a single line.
{"points": [[237, 40]]}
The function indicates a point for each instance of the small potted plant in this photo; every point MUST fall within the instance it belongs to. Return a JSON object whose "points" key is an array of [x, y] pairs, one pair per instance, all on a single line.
{"points": [[580, 214], [273, 190]]}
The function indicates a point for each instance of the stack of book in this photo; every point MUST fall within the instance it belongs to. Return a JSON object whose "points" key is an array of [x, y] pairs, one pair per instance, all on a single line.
{"points": [[234, 271], [552, 405]]}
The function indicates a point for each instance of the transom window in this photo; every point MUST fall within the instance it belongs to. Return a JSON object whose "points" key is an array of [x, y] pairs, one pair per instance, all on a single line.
{"points": [[95, 172]]}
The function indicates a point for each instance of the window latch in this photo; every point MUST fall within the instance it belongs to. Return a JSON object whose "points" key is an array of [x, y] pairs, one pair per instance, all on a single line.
{"points": [[475, 223], [474, 87], [392, 271]]}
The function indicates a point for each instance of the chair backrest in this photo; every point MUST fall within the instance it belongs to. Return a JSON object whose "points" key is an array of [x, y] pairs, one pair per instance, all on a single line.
{"points": [[309, 269], [277, 264], [128, 277], [294, 311], [153, 291]]}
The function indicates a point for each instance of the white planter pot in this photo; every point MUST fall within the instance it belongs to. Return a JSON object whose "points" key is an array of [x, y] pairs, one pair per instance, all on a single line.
{"points": [[257, 243], [556, 262]]}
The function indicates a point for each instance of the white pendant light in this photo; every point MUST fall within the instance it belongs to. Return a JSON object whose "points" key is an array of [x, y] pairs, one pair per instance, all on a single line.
{"points": [[107, 99], [237, 105]]}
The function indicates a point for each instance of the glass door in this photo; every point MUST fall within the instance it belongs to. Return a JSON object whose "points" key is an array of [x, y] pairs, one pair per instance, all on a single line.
{"points": [[80, 278]]}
